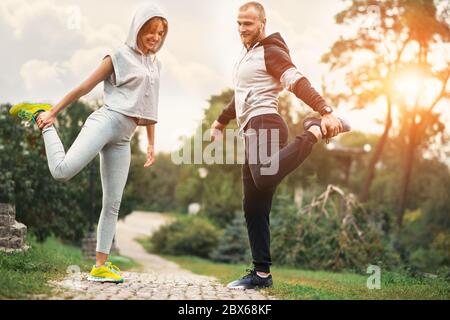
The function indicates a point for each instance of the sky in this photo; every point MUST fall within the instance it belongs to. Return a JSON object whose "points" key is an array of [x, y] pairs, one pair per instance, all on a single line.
{"points": [[49, 47]]}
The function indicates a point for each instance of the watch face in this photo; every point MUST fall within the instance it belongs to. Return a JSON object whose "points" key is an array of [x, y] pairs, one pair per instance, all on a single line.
{"points": [[328, 109]]}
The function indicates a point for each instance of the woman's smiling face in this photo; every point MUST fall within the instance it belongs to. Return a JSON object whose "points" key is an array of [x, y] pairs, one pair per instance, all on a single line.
{"points": [[151, 35]]}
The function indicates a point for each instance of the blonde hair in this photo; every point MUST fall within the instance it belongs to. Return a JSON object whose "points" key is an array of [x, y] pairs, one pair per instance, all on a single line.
{"points": [[150, 24], [257, 6]]}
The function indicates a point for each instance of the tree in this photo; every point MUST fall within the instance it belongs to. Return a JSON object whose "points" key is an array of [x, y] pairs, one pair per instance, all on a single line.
{"points": [[402, 32], [45, 206]]}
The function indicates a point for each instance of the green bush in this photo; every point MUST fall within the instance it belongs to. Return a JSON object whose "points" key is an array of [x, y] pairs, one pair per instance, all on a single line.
{"points": [[221, 198], [150, 189], [316, 240], [190, 236], [47, 207], [233, 246], [423, 250], [219, 193]]}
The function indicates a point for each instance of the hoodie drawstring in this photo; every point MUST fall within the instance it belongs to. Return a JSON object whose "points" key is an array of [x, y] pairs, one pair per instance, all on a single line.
{"points": [[145, 60]]}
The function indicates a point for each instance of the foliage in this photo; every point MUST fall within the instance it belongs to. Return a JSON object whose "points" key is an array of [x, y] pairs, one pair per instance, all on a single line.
{"points": [[27, 273], [192, 235], [233, 246], [151, 189], [46, 206], [333, 232]]}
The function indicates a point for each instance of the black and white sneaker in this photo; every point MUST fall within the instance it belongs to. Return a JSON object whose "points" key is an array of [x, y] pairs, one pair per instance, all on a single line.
{"points": [[309, 122], [251, 281]]}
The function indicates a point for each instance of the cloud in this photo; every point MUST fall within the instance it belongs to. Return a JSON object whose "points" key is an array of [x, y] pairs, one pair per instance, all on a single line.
{"points": [[106, 35], [51, 80], [55, 48], [84, 61], [41, 28], [195, 78], [17, 14], [42, 78]]}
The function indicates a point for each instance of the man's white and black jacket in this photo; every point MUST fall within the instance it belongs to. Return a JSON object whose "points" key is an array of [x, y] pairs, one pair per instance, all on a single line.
{"points": [[259, 75]]}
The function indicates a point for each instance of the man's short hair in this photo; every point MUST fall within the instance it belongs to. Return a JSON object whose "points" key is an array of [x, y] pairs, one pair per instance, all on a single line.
{"points": [[257, 6]]}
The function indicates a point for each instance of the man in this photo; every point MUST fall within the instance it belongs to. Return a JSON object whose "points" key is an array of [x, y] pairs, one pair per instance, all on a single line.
{"points": [[262, 71]]}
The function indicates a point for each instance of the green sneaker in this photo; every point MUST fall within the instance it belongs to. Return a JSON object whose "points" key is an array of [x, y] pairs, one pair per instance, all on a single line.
{"points": [[28, 111]]}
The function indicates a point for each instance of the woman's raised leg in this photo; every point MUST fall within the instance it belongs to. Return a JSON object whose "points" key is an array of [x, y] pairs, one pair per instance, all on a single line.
{"points": [[94, 135]]}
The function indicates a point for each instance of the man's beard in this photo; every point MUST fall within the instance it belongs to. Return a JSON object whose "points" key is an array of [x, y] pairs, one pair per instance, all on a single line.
{"points": [[254, 39]]}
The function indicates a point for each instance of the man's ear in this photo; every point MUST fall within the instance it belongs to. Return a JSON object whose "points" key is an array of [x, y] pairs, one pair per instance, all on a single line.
{"points": [[264, 23]]}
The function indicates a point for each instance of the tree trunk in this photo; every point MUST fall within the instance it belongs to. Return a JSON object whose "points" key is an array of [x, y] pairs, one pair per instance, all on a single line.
{"points": [[364, 195], [408, 164]]}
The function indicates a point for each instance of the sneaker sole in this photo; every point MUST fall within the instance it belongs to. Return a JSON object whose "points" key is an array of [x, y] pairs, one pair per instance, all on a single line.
{"points": [[244, 288], [237, 288], [309, 122], [28, 116], [98, 279]]}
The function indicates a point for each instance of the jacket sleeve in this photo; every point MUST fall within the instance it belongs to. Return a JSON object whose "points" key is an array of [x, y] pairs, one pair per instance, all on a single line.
{"points": [[228, 114], [279, 65], [305, 92]]}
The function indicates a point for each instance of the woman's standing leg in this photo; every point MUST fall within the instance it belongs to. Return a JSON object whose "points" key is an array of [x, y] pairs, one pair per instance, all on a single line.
{"points": [[115, 160], [114, 166]]}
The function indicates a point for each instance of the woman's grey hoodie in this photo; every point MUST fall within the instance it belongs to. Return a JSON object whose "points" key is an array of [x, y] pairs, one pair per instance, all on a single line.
{"points": [[133, 88]]}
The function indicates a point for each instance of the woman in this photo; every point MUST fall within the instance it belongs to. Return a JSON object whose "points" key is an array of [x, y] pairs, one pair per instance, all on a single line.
{"points": [[131, 84]]}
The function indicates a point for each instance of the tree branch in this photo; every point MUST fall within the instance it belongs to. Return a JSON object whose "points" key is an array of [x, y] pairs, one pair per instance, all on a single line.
{"points": [[442, 93]]}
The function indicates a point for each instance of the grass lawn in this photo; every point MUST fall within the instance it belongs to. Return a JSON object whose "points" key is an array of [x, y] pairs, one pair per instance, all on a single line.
{"points": [[23, 275], [299, 284]]}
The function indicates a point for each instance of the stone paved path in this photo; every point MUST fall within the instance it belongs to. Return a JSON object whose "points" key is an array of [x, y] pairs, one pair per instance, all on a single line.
{"points": [[159, 279]]}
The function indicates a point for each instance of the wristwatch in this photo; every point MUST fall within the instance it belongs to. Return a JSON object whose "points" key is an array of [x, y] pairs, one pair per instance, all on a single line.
{"points": [[326, 110]]}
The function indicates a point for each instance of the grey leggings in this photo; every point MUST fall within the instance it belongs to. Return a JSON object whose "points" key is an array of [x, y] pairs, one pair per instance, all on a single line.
{"points": [[106, 132]]}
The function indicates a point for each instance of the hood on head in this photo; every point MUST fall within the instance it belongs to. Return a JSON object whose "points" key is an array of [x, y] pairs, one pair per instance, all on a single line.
{"points": [[142, 15], [274, 39]]}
